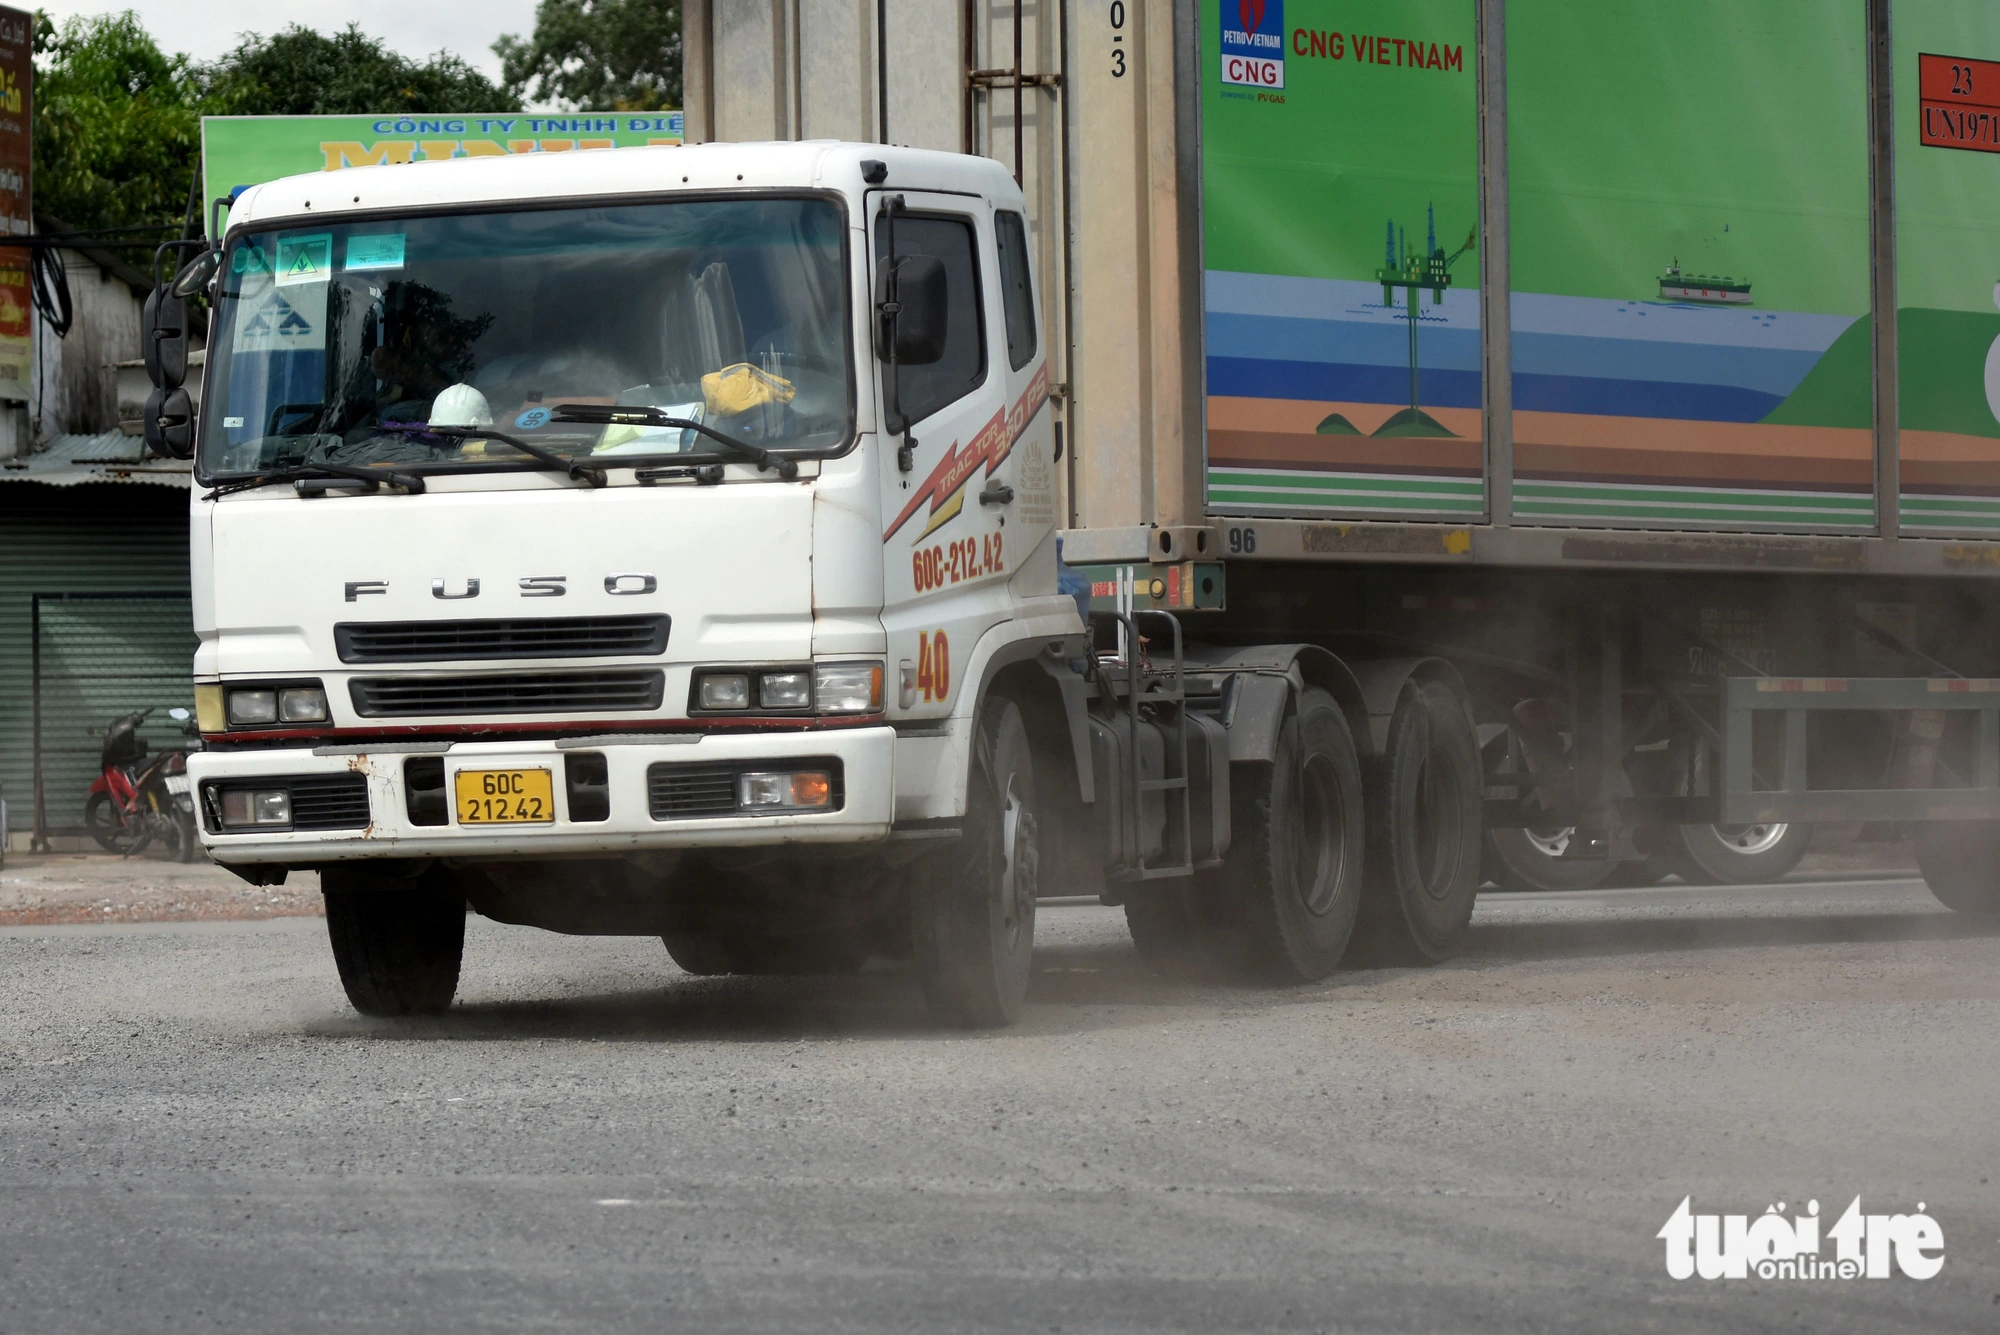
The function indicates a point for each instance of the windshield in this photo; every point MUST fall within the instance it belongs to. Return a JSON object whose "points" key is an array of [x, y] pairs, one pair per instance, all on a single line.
{"points": [[339, 344]]}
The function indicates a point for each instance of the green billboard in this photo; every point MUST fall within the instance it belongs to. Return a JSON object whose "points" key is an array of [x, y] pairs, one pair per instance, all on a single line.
{"points": [[241, 151]]}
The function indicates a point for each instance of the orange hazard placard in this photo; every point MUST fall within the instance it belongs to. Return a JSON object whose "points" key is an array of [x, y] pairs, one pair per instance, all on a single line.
{"points": [[1959, 103]]}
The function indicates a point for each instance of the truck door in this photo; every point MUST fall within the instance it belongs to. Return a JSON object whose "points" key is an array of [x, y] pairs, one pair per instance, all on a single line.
{"points": [[948, 539]]}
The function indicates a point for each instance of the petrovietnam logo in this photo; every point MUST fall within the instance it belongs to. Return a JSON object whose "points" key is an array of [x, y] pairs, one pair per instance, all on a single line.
{"points": [[1253, 43], [1772, 1247]]}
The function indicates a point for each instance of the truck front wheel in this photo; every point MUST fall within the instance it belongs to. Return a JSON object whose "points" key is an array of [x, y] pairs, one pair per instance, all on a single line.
{"points": [[972, 921], [1423, 832], [1960, 862], [397, 942]]}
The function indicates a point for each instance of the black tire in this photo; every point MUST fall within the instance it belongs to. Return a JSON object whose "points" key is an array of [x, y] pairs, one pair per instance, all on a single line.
{"points": [[1527, 860], [707, 954], [703, 954], [397, 942], [190, 838], [1960, 862], [1423, 832], [972, 908], [1285, 901], [1739, 854], [100, 817]]}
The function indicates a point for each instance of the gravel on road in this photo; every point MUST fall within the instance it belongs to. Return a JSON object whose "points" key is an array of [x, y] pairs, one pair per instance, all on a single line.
{"points": [[196, 1131]]}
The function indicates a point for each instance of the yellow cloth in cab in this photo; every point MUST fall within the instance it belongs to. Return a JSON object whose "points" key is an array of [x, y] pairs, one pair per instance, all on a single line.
{"points": [[739, 388]]}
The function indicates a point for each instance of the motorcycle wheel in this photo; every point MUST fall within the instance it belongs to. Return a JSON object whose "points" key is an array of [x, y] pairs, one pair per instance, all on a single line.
{"points": [[100, 817]]}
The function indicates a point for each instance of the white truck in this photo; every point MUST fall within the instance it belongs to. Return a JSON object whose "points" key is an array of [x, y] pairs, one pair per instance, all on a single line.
{"points": [[665, 542], [738, 543]]}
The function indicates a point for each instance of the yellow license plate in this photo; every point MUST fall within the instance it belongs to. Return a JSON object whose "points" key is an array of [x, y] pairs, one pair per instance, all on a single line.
{"points": [[505, 797]]}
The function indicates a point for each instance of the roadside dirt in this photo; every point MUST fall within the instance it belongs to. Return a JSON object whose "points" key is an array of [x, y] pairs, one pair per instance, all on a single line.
{"points": [[51, 889]]}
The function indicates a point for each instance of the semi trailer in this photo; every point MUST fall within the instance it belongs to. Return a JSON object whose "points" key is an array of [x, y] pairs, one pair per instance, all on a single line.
{"points": [[1264, 465]]}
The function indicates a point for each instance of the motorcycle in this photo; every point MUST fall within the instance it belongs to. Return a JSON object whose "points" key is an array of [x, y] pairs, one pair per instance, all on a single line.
{"points": [[132, 804]]}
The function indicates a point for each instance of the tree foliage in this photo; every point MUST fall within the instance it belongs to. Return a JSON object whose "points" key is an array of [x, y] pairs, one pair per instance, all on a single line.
{"points": [[117, 123], [602, 55], [299, 72]]}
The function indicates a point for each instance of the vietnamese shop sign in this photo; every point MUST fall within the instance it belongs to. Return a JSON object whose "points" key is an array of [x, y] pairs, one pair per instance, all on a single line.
{"points": [[239, 151]]}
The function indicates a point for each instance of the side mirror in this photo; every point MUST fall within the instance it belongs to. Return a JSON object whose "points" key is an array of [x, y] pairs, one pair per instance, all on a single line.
{"points": [[179, 715], [166, 350], [194, 276], [170, 423], [922, 294]]}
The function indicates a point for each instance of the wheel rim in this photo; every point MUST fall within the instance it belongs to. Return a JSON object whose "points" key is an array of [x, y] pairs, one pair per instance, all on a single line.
{"points": [[1553, 844], [1750, 840], [1017, 855], [1439, 823], [1317, 837]]}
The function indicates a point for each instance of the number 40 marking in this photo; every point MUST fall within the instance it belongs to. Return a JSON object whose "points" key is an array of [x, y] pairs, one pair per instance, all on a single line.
{"points": [[933, 666]]}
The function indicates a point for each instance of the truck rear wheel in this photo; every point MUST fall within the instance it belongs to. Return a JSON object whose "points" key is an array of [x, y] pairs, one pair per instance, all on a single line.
{"points": [[397, 942], [1423, 831], [1285, 900], [972, 921], [1960, 862]]}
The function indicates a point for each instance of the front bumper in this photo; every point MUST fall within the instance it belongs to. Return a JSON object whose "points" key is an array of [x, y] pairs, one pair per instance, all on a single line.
{"points": [[866, 756]]}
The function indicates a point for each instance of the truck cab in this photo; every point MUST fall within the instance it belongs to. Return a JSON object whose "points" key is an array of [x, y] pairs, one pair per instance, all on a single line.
{"points": [[637, 542]]}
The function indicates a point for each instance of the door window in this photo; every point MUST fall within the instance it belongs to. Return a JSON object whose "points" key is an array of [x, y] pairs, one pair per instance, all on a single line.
{"points": [[1015, 289], [925, 389]]}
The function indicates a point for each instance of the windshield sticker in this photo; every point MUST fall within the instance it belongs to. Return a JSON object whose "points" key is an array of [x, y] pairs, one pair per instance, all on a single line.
{"points": [[533, 418], [250, 259], [305, 259], [375, 252], [268, 320]]}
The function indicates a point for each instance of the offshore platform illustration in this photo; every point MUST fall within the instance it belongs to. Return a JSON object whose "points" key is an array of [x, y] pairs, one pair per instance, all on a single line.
{"points": [[1413, 272]]}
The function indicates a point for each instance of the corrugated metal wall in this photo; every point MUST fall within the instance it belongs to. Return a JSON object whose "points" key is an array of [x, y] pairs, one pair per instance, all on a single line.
{"points": [[109, 538]]}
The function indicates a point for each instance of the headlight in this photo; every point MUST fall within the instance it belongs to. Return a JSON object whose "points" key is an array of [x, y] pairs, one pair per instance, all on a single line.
{"points": [[724, 690], [250, 806], [253, 707], [302, 704], [760, 791], [785, 690], [848, 688]]}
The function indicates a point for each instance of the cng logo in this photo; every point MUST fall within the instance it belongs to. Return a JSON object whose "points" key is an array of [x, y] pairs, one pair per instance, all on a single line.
{"points": [[1253, 42]]}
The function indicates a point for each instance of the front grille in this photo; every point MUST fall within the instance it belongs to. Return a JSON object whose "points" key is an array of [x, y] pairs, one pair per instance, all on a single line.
{"points": [[685, 792], [514, 693], [335, 802], [541, 637]]}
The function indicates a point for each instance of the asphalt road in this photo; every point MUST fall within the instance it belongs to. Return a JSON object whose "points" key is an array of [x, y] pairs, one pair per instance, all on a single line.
{"points": [[195, 1132]]}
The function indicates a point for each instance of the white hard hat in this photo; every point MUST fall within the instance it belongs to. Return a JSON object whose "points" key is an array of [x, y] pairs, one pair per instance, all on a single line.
{"points": [[461, 405]]}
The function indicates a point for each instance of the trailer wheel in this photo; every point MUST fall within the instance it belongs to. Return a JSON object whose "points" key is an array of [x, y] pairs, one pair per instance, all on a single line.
{"points": [[972, 921], [1960, 862], [1283, 905], [1423, 832], [1741, 854], [397, 943], [1532, 860]]}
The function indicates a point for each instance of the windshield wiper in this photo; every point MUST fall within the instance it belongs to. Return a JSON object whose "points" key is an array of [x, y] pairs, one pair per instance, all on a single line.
{"points": [[409, 482], [612, 414], [582, 472]]}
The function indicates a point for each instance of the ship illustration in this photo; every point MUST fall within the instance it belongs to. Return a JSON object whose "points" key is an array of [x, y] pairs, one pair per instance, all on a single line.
{"points": [[1678, 286]]}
